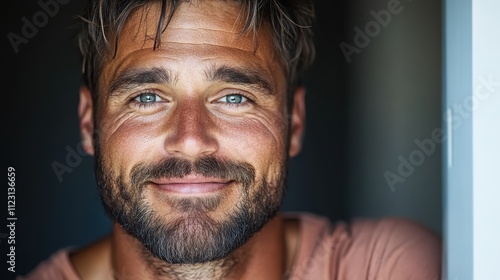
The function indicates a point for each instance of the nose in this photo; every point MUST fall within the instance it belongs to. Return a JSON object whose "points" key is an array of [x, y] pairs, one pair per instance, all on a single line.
{"points": [[190, 130]]}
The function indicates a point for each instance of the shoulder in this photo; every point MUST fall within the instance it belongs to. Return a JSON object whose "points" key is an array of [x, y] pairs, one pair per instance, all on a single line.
{"points": [[91, 261], [400, 248], [57, 266], [388, 248]]}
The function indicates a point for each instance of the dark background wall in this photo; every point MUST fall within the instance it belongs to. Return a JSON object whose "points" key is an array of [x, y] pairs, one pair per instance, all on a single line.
{"points": [[364, 119]]}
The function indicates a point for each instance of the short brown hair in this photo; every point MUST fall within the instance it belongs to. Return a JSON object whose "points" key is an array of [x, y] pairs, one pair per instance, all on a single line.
{"points": [[290, 22]]}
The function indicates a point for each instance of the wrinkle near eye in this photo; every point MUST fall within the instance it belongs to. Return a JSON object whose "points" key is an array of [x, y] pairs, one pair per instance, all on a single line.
{"points": [[117, 124], [268, 122]]}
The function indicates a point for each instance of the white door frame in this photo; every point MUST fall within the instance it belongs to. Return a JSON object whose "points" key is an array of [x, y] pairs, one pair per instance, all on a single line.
{"points": [[472, 152]]}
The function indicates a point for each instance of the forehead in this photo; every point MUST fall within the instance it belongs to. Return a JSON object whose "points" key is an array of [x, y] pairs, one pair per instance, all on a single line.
{"points": [[200, 32]]}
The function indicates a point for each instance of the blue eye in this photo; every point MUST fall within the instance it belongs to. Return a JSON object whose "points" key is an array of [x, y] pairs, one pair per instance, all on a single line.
{"points": [[233, 99], [147, 98]]}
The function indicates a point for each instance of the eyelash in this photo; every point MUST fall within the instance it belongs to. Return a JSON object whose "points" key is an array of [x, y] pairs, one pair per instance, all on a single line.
{"points": [[236, 105], [143, 105]]}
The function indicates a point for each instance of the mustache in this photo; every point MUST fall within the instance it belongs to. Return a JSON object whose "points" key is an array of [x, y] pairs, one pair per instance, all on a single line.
{"points": [[208, 166]]}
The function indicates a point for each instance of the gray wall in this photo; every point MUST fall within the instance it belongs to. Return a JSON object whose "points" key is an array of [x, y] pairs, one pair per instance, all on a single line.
{"points": [[395, 103], [372, 98]]}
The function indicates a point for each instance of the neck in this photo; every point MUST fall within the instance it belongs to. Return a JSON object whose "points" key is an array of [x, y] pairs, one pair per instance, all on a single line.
{"points": [[262, 257]]}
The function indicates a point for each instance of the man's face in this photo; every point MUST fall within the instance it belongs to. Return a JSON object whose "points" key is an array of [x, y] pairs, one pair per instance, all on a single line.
{"points": [[193, 137]]}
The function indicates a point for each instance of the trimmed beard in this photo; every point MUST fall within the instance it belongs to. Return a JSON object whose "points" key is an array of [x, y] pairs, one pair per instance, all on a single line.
{"points": [[194, 237]]}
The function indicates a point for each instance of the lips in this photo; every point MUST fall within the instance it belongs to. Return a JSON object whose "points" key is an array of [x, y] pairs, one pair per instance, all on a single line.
{"points": [[191, 184]]}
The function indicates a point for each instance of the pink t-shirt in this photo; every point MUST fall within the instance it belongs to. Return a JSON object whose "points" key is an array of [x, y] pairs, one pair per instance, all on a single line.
{"points": [[368, 249]]}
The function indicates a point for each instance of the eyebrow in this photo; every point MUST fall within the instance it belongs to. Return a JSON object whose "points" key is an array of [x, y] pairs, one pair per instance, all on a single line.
{"points": [[242, 76], [133, 78]]}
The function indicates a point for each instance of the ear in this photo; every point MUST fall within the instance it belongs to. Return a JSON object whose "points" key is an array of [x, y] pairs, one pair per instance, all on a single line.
{"points": [[85, 114], [297, 121]]}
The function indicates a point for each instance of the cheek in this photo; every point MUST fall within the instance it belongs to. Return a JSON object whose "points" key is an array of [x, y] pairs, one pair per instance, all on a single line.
{"points": [[256, 141], [130, 143]]}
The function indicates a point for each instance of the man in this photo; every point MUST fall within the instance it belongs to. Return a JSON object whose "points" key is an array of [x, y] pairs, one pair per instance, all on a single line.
{"points": [[192, 110]]}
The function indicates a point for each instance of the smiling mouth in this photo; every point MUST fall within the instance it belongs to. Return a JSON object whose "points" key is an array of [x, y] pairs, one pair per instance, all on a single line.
{"points": [[192, 184]]}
